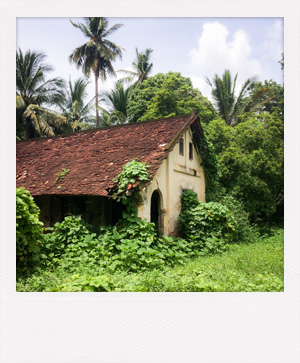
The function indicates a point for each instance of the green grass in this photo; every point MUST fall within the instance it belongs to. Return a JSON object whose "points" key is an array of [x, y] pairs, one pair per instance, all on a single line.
{"points": [[244, 267]]}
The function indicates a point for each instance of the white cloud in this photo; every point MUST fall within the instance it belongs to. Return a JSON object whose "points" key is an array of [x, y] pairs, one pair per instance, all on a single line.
{"points": [[273, 45], [216, 52]]}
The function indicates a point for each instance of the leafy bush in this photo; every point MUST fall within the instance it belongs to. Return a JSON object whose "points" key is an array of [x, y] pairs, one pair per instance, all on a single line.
{"points": [[29, 230], [205, 225], [130, 245], [72, 230], [245, 231]]}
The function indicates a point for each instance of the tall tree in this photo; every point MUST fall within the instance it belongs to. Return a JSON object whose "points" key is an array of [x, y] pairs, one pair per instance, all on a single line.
{"points": [[165, 95], [141, 67], [34, 93], [98, 52], [228, 105], [74, 106]]}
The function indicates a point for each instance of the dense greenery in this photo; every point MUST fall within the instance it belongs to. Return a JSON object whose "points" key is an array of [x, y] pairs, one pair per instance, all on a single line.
{"points": [[219, 248], [165, 95], [29, 231], [246, 267], [251, 157]]}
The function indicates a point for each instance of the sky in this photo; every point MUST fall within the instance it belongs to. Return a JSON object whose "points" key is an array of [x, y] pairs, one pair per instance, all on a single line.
{"points": [[195, 47]]}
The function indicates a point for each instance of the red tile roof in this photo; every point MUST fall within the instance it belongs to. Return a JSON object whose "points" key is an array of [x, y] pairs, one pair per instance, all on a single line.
{"points": [[95, 157]]}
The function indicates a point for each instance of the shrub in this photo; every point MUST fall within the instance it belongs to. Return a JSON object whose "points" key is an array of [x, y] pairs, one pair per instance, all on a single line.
{"points": [[207, 225], [72, 230], [29, 231], [245, 231]]}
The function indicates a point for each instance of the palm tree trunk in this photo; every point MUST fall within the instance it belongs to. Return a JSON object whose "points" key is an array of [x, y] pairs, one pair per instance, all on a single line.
{"points": [[28, 129], [97, 112]]}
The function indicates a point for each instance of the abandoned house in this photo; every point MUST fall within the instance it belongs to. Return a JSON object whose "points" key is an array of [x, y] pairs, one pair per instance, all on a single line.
{"points": [[88, 161]]}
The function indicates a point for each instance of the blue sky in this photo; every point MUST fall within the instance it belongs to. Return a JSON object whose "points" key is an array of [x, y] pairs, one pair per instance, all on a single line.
{"points": [[195, 47]]}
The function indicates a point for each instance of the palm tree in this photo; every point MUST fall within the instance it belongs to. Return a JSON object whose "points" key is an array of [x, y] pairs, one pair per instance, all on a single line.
{"points": [[141, 67], [74, 106], [116, 101], [228, 106], [33, 93], [98, 52]]}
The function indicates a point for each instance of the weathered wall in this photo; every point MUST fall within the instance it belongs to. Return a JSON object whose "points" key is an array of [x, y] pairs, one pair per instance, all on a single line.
{"points": [[176, 173]]}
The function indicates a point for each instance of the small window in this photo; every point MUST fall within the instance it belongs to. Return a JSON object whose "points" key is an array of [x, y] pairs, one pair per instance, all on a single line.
{"points": [[191, 151], [181, 146]]}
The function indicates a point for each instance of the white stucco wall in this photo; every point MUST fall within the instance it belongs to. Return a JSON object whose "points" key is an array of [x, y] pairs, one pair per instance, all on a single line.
{"points": [[176, 173]]}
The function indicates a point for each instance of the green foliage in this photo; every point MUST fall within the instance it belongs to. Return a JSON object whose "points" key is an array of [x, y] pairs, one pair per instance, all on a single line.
{"points": [[29, 231], [130, 245], [206, 226], [246, 267], [229, 106], [133, 171], [213, 219], [166, 95], [72, 230], [276, 102], [189, 199], [251, 157], [210, 163], [207, 220], [245, 232], [33, 93], [61, 175]]}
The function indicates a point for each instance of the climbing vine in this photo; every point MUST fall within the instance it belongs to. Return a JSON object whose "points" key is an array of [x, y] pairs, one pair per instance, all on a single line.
{"points": [[133, 173], [210, 162]]}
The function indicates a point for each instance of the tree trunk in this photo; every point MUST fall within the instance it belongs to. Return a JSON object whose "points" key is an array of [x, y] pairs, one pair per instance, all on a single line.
{"points": [[28, 129], [97, 112]]}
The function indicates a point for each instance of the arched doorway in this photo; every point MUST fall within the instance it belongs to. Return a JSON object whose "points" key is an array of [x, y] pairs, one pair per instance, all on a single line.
{"points": [[155, 215]]}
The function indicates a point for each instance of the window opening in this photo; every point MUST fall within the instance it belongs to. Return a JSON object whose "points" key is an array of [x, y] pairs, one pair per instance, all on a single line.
{"points": [[190, 150], [181, 146]]}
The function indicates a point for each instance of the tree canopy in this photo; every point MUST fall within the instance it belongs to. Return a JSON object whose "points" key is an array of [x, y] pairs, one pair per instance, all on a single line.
{"points": [[34, 92], [165, 95], [229, 105], [141, 67], [251, 157]]}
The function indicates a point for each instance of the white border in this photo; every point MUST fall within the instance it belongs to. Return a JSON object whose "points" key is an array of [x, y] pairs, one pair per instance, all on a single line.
{"points": [[149, 327]]}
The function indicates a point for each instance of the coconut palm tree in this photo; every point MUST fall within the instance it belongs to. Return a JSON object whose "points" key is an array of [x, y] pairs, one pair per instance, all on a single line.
{"points": [[97, 54], [34, 93], [114, 104], [74, 106], [228, 105], [141, 67]]}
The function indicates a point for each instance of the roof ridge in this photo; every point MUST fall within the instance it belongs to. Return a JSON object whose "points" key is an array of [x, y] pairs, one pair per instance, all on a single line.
{"points": [[107, 128]]}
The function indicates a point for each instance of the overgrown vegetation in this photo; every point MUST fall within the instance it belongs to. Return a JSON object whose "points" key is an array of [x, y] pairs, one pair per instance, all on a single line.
{"points": [[29, 231], [224, 244], [131, 257], [247, 267]]}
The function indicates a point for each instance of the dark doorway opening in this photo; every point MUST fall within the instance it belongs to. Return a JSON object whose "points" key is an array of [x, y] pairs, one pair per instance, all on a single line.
{"points": [[155, 210]]}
